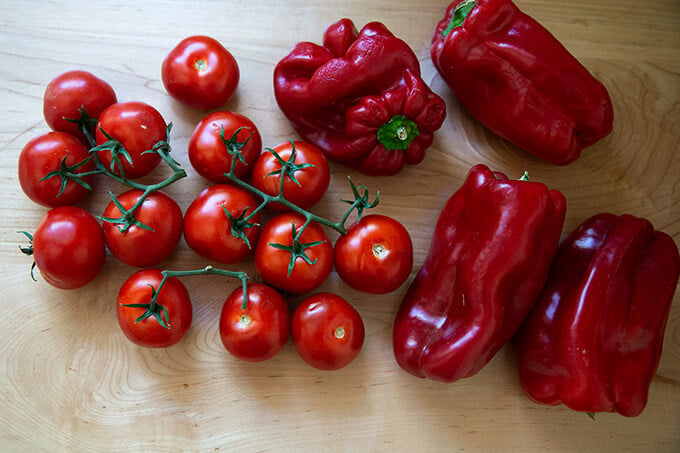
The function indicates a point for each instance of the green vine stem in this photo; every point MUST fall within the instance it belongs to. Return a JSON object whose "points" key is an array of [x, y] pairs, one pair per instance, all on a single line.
{"points": [[67, 173], [153, 308], [360, 202]]}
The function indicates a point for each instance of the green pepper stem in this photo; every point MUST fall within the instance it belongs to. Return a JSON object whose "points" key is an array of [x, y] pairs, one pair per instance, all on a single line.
{"points": [[459, 15]]}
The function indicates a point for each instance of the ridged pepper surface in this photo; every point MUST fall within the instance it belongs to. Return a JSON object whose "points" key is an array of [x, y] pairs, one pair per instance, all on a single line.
{"points": [[519, 81], [488, 261], [359, 98], [593, 340]]}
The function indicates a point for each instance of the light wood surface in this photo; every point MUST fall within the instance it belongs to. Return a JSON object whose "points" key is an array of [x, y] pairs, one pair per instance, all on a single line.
{"points": [[70, 381]]}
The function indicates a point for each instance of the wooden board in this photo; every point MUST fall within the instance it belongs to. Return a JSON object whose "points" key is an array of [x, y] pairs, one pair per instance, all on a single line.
{"points": [[69, 380]]}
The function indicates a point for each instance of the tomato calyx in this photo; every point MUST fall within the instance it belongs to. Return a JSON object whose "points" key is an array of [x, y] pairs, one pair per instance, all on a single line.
{"points": [[239, 224], [127, 218], [297, 249], [67, 173], [288, 167], [153, 308], [360, 201], [28, 251], [116, 149], [233, 145], [85, 123]]}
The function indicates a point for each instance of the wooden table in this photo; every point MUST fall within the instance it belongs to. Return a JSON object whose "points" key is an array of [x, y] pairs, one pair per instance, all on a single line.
{"points": [[69, 380]]}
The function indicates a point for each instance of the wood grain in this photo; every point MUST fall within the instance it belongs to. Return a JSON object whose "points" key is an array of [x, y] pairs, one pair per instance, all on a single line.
{"points": [[69, 380]]}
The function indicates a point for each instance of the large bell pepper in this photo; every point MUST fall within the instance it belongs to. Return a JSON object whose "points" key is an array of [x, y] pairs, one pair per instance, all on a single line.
{"points": [[487, 264], [359, 97], [593, 340], [519, 81]]}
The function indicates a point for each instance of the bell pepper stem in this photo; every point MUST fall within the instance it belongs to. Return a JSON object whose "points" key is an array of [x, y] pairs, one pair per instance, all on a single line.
{"points": [[459, 15]]}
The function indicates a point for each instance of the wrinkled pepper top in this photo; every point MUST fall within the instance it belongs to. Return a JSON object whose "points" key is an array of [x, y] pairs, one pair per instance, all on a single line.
{"points": [[359, 97], [488, 260], [593, 340], [519, 81]]}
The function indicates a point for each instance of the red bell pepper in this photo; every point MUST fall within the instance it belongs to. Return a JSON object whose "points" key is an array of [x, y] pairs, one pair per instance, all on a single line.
{"points": [[359, 98], [518, 80], [487, 264], [593, 340]]}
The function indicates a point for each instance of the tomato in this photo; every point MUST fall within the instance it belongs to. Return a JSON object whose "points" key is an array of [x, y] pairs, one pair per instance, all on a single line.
{"points": [[375, 256], [148, 332], [272, 263], [327, 331], [208, 230], [138, 246], [259, 331], [138, 127], [208, 154], [68, 247], [313, 179], [67, 93], [43, 155], [200, 73]]}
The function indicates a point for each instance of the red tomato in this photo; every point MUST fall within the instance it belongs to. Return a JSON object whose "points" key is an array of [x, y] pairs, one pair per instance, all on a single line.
{"points": [[174, 297], [313, 180], [68, 247], [208, 230], [138, 246], [259, 331], [208, 154], [200, 73], [375, 256], [138, 127], [67, 93], [272, 263], [43, 155], [327, 331]]}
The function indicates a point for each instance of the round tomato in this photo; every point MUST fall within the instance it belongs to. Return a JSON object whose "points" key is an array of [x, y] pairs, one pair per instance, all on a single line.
{"points": [[138, 246], [208, 229], [209, 155], [138, 127], [43, 155], [327, 331], [313, 176], [67, 93], [68, 247], [173, 306], [375, 256], [259, 331], [272, 263], [200, 73]]}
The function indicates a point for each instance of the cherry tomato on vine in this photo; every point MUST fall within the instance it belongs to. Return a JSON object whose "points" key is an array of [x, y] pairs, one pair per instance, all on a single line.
{"points": [[173, 308], [260, 330], [139, 246], [209, 155], [44, 155], [200, 73], [375, 256], [67, 93], [208, 230], [327, 331], [309, 168], [138, 127], [68, 247], [272, 262]]}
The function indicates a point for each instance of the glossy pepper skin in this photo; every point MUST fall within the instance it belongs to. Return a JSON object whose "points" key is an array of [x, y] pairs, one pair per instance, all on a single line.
{"points": [[593, 340], [488, 261], [359, 97], [518, 80]]}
